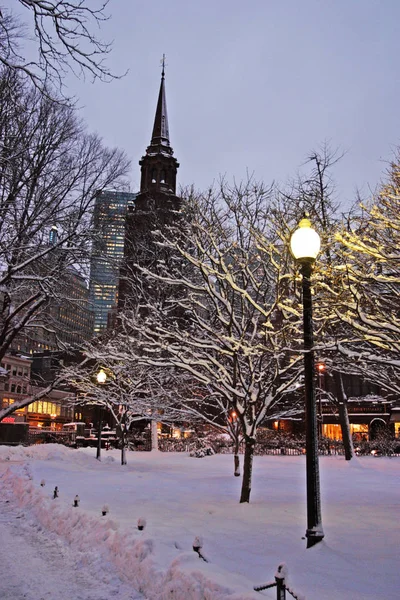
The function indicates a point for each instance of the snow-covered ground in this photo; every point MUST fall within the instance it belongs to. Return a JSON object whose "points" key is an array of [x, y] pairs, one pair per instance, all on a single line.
{"points": [[36, 564], [180, 498]]}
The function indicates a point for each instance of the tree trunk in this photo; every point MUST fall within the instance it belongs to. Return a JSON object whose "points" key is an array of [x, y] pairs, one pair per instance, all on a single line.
{"points": [[236, 465], [247, 469], [123, 448], [344, 418], [345, 425], [98, 452], [154, 435], [236, 459]]}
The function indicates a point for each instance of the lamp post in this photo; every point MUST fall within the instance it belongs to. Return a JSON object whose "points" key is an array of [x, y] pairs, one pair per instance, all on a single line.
{"points": [[305, 244], [101, 379]]}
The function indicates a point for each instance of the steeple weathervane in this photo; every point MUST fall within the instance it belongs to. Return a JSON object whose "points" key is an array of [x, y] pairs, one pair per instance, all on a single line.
{"points": [[163, 65]]}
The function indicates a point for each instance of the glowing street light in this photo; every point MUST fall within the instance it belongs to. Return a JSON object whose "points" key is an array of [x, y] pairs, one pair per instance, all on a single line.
{"points": [[305, 245], [101, 376], [101, 379]]}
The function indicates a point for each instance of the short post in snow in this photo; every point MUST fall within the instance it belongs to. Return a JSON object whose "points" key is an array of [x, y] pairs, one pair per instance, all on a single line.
{"points": [[280, 582], [197, 547]]}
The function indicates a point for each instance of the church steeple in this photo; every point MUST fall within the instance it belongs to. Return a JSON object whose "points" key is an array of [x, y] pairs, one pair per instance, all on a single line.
{"points": [[160, 134], [159, 166], [156, 208]]}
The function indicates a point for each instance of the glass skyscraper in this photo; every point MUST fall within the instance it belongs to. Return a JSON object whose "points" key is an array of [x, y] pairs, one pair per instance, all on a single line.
{"points": [[107, 253]]}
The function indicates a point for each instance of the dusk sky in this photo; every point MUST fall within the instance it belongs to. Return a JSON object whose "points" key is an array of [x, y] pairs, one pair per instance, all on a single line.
{"points": [[254, 86]]}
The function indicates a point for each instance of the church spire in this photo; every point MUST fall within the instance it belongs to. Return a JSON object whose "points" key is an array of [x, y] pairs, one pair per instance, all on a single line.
{"points": [[159, 166], [160, 134]]}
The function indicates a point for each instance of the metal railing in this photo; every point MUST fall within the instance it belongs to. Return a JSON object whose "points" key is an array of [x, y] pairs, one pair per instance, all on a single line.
{"points": [[280, 584]]}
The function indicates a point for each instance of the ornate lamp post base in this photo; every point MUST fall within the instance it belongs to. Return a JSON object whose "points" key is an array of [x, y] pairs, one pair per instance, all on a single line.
{"points": [[314, 536]]}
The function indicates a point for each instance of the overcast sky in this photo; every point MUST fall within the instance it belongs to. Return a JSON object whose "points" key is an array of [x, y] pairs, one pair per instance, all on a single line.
{"points": [[254, 85]]}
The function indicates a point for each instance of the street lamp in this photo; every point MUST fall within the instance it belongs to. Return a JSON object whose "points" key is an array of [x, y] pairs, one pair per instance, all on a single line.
{"points": [[305, 244], [101, 379], [101, 376]]}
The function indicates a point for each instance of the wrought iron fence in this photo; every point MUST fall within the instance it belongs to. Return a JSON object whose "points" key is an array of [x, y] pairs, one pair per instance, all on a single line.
{"points": [[47, 436], [203, 446]]}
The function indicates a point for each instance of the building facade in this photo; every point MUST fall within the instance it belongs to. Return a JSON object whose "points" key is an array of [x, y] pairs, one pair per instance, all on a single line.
{"points": [[107, 253], [65, 322], [50, 412], [368, 411]]}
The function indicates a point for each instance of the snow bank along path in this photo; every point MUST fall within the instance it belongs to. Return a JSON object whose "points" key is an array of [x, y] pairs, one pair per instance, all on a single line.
{"points": [[99, 540], [39, 565]]}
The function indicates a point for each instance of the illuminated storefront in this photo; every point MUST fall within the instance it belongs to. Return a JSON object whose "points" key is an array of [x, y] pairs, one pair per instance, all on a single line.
{"points": [[50, 411]]}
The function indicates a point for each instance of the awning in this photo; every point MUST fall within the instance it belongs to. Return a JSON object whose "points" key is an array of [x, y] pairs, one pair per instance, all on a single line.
{"points": [[357, 418]]}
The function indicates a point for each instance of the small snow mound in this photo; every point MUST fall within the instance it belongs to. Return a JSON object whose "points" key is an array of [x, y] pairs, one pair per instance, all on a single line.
{"points": [[109, 459], [43, 452], [202, 452]]}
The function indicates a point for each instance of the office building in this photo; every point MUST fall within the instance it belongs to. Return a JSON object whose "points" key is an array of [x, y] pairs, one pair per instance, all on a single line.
{"points": [[108, 250]]}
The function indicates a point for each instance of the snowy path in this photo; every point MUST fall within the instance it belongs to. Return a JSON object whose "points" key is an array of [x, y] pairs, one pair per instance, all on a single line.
{"points": [[37, 565]]}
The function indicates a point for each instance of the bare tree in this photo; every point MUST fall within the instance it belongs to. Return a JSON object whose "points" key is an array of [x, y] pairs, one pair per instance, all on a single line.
{"points": [[234, 301], [204, 405], [370, 280], [62, 33], [356, 289], [51, 169], [131, 392]]}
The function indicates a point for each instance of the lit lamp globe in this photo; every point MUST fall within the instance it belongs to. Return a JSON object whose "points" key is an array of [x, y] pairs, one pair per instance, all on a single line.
{"points": [[101, 376], [305, 242]]}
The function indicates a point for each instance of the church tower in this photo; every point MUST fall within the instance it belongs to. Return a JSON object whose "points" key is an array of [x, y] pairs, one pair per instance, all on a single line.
{"points": [[156, 207], [158, 165]]}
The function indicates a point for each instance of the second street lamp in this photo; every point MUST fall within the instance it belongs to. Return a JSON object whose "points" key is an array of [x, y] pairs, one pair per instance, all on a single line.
{"points": [[305, 245], [101, 379]]}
